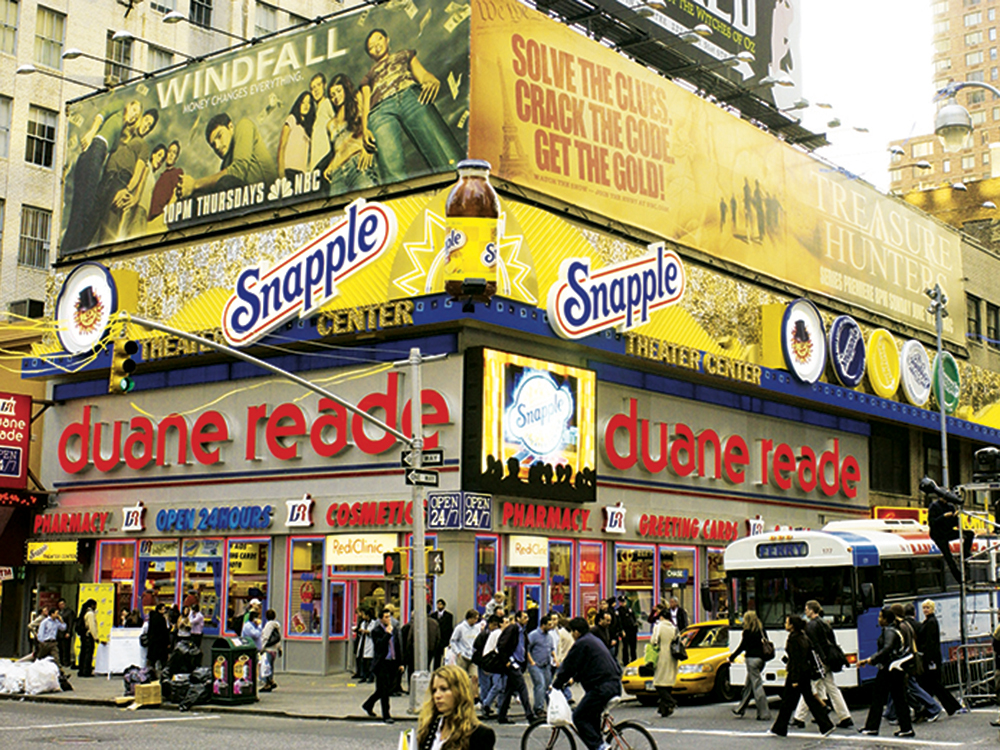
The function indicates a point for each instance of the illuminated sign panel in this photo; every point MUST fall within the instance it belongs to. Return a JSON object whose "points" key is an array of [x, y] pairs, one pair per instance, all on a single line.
{"points": [[537, 437]]}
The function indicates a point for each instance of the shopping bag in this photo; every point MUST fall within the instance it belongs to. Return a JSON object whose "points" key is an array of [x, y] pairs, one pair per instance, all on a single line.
{"points": [[560, 714], [407, 740]]}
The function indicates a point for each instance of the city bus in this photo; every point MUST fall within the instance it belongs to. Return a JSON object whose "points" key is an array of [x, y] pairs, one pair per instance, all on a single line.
{"points": [[852, 568]]}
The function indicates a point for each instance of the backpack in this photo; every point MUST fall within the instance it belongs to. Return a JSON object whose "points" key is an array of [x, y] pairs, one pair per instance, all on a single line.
{"points": [[491, 660], [81, 625], [274, 638], [836, 660], [478, 645]]}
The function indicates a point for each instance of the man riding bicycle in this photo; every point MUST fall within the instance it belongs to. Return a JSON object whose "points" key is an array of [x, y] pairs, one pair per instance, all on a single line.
{"points": [[590, 663]]}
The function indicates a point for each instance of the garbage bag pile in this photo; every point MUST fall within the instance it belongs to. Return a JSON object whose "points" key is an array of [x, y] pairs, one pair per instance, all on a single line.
{"points": [[31, 678]]}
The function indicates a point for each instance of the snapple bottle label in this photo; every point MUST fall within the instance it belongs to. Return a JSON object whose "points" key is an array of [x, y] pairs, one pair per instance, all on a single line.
{"points": [[470, 244]]}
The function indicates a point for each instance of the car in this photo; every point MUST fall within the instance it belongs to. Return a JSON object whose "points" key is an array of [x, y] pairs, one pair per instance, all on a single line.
{"points": [[704, 672]]}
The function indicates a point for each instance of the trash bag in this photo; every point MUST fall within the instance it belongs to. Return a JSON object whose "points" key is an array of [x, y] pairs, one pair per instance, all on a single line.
{"points": [[134, 675], [199, 690], [165, 685], [13, 681], [42, 677], [5, 664], [201, 676], [184, 658], [180, 684]]}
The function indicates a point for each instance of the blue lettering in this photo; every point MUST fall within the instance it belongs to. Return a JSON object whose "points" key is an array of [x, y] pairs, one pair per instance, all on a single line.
{"points": [[314, 275], [292, 289], [238, 318], [578, 301], [272, 287], [161, 521], [367, 234]]}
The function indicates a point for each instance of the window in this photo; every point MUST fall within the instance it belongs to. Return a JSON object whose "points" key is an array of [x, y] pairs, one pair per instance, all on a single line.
{"points": [[946, 165], [968, 162], [8, 26], [942, 45], [993, 325], [977, 97], [267, 20], [27, 308], [560, 575], [970, 19], [993, 53], [978, 118], [919, 172], [163, 6], [939, 7], [50, 32], [974, 58], [993, 34], [248, 578], [41, 141], [889, 458], [305, 587], [35, 227], [932, 458], [922, 149], [973, 38], [974, 321], [116, 565], [993, 74], [985, 136], [977, 76], [6, 105], [119, 59], [968, 3], [991, 14], [942, 27], [201, 12], [895, 175], [591, 588], [487, 569], [986, 158], [896, 157], [944, 64], [158, 59], [201, 582]]}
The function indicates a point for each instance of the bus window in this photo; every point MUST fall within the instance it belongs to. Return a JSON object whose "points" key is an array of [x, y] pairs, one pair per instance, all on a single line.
{"points": [[928, 575], [897, 577], [775, 593], [743, 594]]}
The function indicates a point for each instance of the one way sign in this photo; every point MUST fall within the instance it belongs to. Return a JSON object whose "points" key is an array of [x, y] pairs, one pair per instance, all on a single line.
{"points": [[424, 478], [432, 457]]}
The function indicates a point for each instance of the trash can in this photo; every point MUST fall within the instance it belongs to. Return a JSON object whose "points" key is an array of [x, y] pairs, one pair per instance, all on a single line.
{"points": [[234, 671]]}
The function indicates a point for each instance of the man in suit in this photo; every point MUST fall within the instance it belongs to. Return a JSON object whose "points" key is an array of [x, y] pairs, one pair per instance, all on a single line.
{"points": [[513, 648], [446, 625], [386, 663]]}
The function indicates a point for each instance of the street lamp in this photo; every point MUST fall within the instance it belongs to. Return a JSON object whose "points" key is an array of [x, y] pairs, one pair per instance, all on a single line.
{"points": [[939, 309], [72, 53], [953, 124], [28, 69], [174, 17]]}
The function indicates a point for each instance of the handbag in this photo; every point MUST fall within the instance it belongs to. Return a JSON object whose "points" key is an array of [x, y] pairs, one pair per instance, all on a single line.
{"points": [[144, 639], [766, 648], [677, 649], [559, 713]]}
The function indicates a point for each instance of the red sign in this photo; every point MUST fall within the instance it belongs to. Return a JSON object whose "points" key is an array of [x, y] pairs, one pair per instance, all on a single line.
{"points": [[15, 436], [678, 527], [141, 442], [544, 517], [382, 513], [688, 452], [72, 523]]}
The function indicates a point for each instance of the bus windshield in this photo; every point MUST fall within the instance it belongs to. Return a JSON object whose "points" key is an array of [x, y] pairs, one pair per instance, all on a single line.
{"points": [[776, 593]]}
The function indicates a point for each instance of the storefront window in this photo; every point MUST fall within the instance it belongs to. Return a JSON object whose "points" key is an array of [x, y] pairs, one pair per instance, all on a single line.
{"points": [[305, 587], [486, 570], [117, 566], [678, 578], [338, 611], [248, 576], [635, 569], [430, 542], [202, 580], [375, 594], [561, 577], [718, 595], [158, 573], [591, 578]]}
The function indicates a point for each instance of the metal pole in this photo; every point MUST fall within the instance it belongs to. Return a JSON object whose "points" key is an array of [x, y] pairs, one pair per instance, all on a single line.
{"points": [[939, 303], [418, 596]]}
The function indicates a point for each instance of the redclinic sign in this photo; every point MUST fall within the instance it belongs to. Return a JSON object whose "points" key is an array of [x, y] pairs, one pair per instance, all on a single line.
{"points": [[702, 454], [15, 436]]}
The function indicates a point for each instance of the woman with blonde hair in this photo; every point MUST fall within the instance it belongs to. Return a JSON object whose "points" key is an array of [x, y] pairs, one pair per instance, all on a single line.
{"points": [[752, 644], [448, 718]]}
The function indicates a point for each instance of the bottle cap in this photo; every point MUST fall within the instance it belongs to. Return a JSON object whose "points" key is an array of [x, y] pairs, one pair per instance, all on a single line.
{"points": [[473, 164]]}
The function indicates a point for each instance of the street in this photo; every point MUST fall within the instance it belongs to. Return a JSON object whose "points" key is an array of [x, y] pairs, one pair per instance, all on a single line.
{"points": [[702, 725]]}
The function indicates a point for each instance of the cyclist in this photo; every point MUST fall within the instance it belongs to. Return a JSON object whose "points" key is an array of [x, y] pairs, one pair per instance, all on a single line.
{"points": [[590, 663]]}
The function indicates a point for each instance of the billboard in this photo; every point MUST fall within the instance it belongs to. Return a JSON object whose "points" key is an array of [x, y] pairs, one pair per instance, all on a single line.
{"points": [[368, 98], [15, 439], [537, 430], [576, 121]]}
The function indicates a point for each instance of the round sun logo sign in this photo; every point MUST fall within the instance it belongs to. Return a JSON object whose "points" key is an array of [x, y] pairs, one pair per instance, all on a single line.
{"points": [[86, 303], [804, 341]]}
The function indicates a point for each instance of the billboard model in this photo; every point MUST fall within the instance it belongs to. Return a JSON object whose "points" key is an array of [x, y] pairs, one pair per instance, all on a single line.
{"points": [[368, 98]]}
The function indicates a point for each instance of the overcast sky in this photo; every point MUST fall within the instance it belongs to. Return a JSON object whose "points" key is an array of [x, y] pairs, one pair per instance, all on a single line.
{"points": [[872, 61]]}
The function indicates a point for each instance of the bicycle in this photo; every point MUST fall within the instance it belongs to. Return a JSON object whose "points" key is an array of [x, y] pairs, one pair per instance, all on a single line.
{"points": [[625, 735]]}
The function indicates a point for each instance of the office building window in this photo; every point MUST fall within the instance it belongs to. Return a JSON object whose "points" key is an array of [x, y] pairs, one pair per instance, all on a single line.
{"points": [[993, 325], [944, 64], [974, 321], [925, 148], [158, 59], [50, 34], [976, 75], [119, 59], [939, 7], [6, 105], [977, 97], [993, 34], [986, 158], [8, 26], [889, 458], [201, 12], [968, 162], [942, 27], [28, 308], [41, 141], [978, 118], [163, 6], [973, 38], [36, 225], [974, 58], [970, 19], [267, 20], [946, 165]]}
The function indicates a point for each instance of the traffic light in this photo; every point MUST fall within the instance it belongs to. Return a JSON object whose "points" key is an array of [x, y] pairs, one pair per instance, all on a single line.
{"points": [[122, 367]]}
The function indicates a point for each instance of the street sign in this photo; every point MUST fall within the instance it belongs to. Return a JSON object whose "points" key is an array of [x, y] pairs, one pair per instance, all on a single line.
{"points": [[433, 457], [423, 478], [444, 511], [435, 562]]}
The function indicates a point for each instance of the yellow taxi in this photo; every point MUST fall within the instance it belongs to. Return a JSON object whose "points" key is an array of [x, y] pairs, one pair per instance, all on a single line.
{"points": [[705, 671]]}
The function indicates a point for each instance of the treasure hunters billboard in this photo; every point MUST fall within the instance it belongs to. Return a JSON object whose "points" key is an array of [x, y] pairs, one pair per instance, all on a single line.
{"points": [[368, 98]]}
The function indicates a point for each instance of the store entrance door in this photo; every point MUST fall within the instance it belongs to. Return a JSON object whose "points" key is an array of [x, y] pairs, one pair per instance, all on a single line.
{"points": [[529, 596]]}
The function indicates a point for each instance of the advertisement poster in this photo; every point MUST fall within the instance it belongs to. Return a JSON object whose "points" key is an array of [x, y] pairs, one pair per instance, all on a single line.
{"points": [[580, 123], [369, 98], [15, 438]]}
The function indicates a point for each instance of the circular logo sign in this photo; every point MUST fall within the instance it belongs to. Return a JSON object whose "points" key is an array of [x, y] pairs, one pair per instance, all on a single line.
{"points": [[951, 381], [847, 350], [915, 372], [85, 305], [883, 363], [802, 340]]}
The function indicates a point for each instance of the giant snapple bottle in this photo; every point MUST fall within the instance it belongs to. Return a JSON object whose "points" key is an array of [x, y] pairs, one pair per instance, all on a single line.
{"points": [[471, 214]]}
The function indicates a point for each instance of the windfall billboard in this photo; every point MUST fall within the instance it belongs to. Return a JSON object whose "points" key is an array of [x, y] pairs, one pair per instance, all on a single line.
{"points": [[365, 99]]}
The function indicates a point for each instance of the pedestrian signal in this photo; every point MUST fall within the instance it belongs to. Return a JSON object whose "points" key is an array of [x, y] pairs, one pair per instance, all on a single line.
{"points": [[392, 565], [435, 562]]}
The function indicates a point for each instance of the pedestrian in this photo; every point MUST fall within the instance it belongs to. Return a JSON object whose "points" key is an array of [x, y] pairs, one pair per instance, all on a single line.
{"points": [[929, 646], [65, 637], [271, 640], [823, 640], [197, 620], [50, 631], [752, 646], [252, 626], [798, 654], [463, 639], [665, 676], [88, 638], [491, 684], [678, 616], [499, 601], [184, 625], [630, 629], [890, 679], [446, 624], [158, 637], [564, 642], [602, 628], [34, 622], [406, 637], [387, 663], [925, 708], [540, 662], [448, 717], [943, 519], [360, 633], [513, 648]]}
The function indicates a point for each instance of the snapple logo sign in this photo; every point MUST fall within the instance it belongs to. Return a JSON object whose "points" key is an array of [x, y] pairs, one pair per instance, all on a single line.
{"points": [[620, 296], [538, 413], [307, 278]]}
